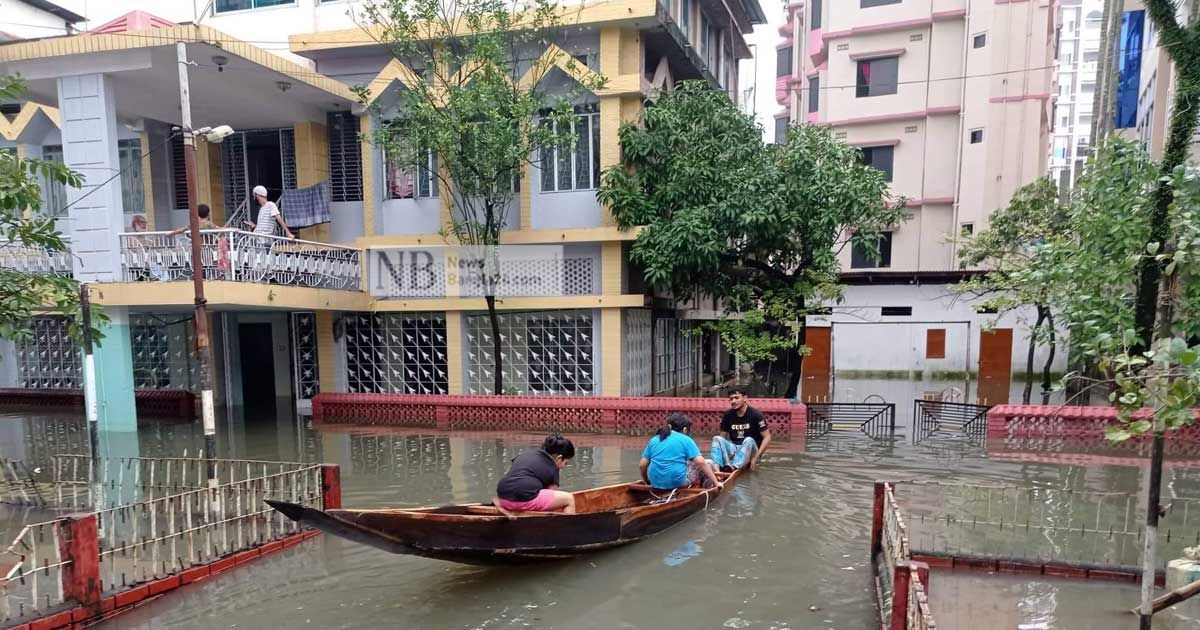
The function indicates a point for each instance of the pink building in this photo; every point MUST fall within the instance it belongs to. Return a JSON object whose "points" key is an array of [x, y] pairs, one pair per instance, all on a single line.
{"points": [[951, 98]]}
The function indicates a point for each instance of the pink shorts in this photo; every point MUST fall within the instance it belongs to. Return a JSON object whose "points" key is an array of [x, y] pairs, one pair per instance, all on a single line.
{"points": [[540, 503]]}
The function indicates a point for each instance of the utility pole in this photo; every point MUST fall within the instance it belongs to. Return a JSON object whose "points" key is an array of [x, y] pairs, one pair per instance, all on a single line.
{"points": [[203, 348], [92, 406]]}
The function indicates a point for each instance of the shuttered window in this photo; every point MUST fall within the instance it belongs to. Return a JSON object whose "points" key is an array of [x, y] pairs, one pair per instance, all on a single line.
{"points": [[179, 191], [935, 343], [345, 157]]}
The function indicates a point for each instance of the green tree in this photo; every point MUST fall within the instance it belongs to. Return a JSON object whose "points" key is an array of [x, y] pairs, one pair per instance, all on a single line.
{"points": [[759, 226], [474, 109], [1020, 267], [25, 230]]}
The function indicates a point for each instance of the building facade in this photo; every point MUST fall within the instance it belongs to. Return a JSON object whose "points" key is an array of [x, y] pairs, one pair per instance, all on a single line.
{"points": [[952, 100], [1081, 25], [325, 312]]}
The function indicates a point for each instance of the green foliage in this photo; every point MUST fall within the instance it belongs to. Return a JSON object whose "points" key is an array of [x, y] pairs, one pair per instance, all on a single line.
{"points": [[467, 102], [22, 227], [726, 215]]}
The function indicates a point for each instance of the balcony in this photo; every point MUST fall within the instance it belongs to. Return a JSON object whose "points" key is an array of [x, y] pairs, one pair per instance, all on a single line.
{"points": [[238, 256], [36, 261]]}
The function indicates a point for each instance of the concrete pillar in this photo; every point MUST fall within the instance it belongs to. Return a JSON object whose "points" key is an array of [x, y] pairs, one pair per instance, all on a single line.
{"points": [[8, 363], [454, 352], [610, 352], [326, 352], [368, 175], [89, 140], [312, 166], [148, 181], [114, 374]]}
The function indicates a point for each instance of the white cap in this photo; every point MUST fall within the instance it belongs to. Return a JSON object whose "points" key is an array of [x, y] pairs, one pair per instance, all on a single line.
{"points": [[260, 191]]}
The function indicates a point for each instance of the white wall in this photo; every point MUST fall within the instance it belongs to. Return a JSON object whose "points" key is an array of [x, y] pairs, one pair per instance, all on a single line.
{"points": [[865, 341], [27, 22]]}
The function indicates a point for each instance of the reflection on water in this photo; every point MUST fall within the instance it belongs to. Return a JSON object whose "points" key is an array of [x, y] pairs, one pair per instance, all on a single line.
{"points": [[785, 548]]}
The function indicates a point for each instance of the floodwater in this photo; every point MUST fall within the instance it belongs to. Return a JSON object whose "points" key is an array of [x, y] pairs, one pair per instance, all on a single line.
{"points": [[786, 548]]}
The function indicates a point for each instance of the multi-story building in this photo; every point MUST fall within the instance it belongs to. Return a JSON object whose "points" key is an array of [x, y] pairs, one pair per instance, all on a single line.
{"points": [[952, 100], [322, 314], [1081, 23]]}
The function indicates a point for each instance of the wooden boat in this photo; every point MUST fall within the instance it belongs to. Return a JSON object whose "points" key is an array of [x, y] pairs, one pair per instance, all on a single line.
{"points": [[479, 533]]}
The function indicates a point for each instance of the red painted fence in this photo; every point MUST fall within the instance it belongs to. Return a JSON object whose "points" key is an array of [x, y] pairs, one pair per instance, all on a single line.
{"points": [[568, 414], [1076, 435], [150, 402]]}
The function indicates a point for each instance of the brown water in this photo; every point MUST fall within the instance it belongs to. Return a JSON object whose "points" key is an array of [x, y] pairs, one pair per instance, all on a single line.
{"points": [[784, 549]]}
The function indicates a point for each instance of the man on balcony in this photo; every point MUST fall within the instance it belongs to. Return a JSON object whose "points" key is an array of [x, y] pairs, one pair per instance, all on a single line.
{"points": [[268, 214]]}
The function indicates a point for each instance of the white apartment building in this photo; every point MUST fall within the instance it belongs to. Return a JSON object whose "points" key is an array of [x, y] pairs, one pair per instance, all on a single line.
{"points": [[1081, 24], [952, 99]]}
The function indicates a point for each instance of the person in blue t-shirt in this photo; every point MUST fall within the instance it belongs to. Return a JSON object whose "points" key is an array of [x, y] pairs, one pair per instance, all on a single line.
{"points": [[672, 459]]}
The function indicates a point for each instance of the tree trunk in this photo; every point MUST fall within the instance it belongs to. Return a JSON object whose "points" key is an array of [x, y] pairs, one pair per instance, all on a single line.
{"points": [[1183, 125], [1046, 384], [496, 345], [793, 386], [1041, 317]]}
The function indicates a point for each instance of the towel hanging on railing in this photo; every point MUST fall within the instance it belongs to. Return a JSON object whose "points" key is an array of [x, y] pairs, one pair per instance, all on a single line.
{"points": [[305, 207]]}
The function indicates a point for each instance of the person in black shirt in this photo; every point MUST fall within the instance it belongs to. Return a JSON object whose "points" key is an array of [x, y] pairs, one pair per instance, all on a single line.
{"points": [[744, 435], [531, 484]]}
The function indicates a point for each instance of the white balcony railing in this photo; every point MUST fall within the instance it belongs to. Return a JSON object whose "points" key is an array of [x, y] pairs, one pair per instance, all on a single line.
{"points": [[238, 256], [36, 260]]}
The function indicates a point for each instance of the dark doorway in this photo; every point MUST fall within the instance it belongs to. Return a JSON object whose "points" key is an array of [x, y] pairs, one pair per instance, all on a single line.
{"points": [[264, 164], [258, 369]]}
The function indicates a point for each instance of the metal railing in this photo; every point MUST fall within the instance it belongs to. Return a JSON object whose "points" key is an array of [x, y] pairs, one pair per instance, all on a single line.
{"points": [[152, 539], [128, 479], [18, 485], [240, 256], [963, 419], [876, 420], [893, 565], [36, 260], [1042, 525], [33, 565]]}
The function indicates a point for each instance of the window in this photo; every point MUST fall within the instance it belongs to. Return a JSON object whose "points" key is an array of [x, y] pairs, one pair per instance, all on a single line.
{"points": [[814, 94], [1091, 55], [896, 311], [345, 157], [880, 158], [133, 195], [686, 19], [877, 77], [405, 182], [862, 256], [967, 229], [976, 136], [783, 62], [702, 44], [55, 191], [781, 130], [815, 19], [866, 4], [1093, 19], [179, 191], [578, 167], [223, 6], [1087, 88], [935, 343], [979, 41]]}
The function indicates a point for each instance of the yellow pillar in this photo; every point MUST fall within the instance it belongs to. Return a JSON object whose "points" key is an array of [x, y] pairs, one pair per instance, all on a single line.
{"points": [[208, 180], [312, 166], [454, 366], [526, 197], [325, 350], [612, 280], [27, 214], [610, 352], [620, 56], [368, 175], [147, 182]]}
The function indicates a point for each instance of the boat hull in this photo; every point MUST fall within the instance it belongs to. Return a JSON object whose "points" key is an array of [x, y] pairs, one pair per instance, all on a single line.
{"points": [[479, 534]]}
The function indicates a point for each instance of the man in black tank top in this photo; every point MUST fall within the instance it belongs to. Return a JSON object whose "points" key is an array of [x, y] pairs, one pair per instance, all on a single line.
{"points": [[744, 435]]}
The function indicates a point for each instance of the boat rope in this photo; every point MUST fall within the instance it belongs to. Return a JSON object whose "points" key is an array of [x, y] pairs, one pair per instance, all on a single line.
{"points": [[657, 499]]}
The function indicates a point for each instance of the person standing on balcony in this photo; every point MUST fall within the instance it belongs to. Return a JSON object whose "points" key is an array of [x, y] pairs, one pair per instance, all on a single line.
{"points": [[268, 215], [744, 435], [205, 223]]}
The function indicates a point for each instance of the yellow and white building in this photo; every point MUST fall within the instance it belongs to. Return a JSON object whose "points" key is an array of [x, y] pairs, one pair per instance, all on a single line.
{"points": [[295, 317]]}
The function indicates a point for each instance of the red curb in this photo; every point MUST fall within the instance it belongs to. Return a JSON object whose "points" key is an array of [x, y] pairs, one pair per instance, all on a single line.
{"points": [[220, 565], [163, 585], [57, 620], [121, 600], [194, 575], [1008, 566], [246, 556], [20, 627], [1114, 576], [1067, 572], [975, 563], [938, 562], [271, 547]]}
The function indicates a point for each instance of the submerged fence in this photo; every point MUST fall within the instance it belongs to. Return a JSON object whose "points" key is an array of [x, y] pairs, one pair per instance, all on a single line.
{"points": [[900, 582], [88, 564], [1042, 525]]}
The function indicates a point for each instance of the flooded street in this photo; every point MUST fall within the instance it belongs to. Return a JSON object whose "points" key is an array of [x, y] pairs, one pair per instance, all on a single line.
{"points": [[786, 548]]}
